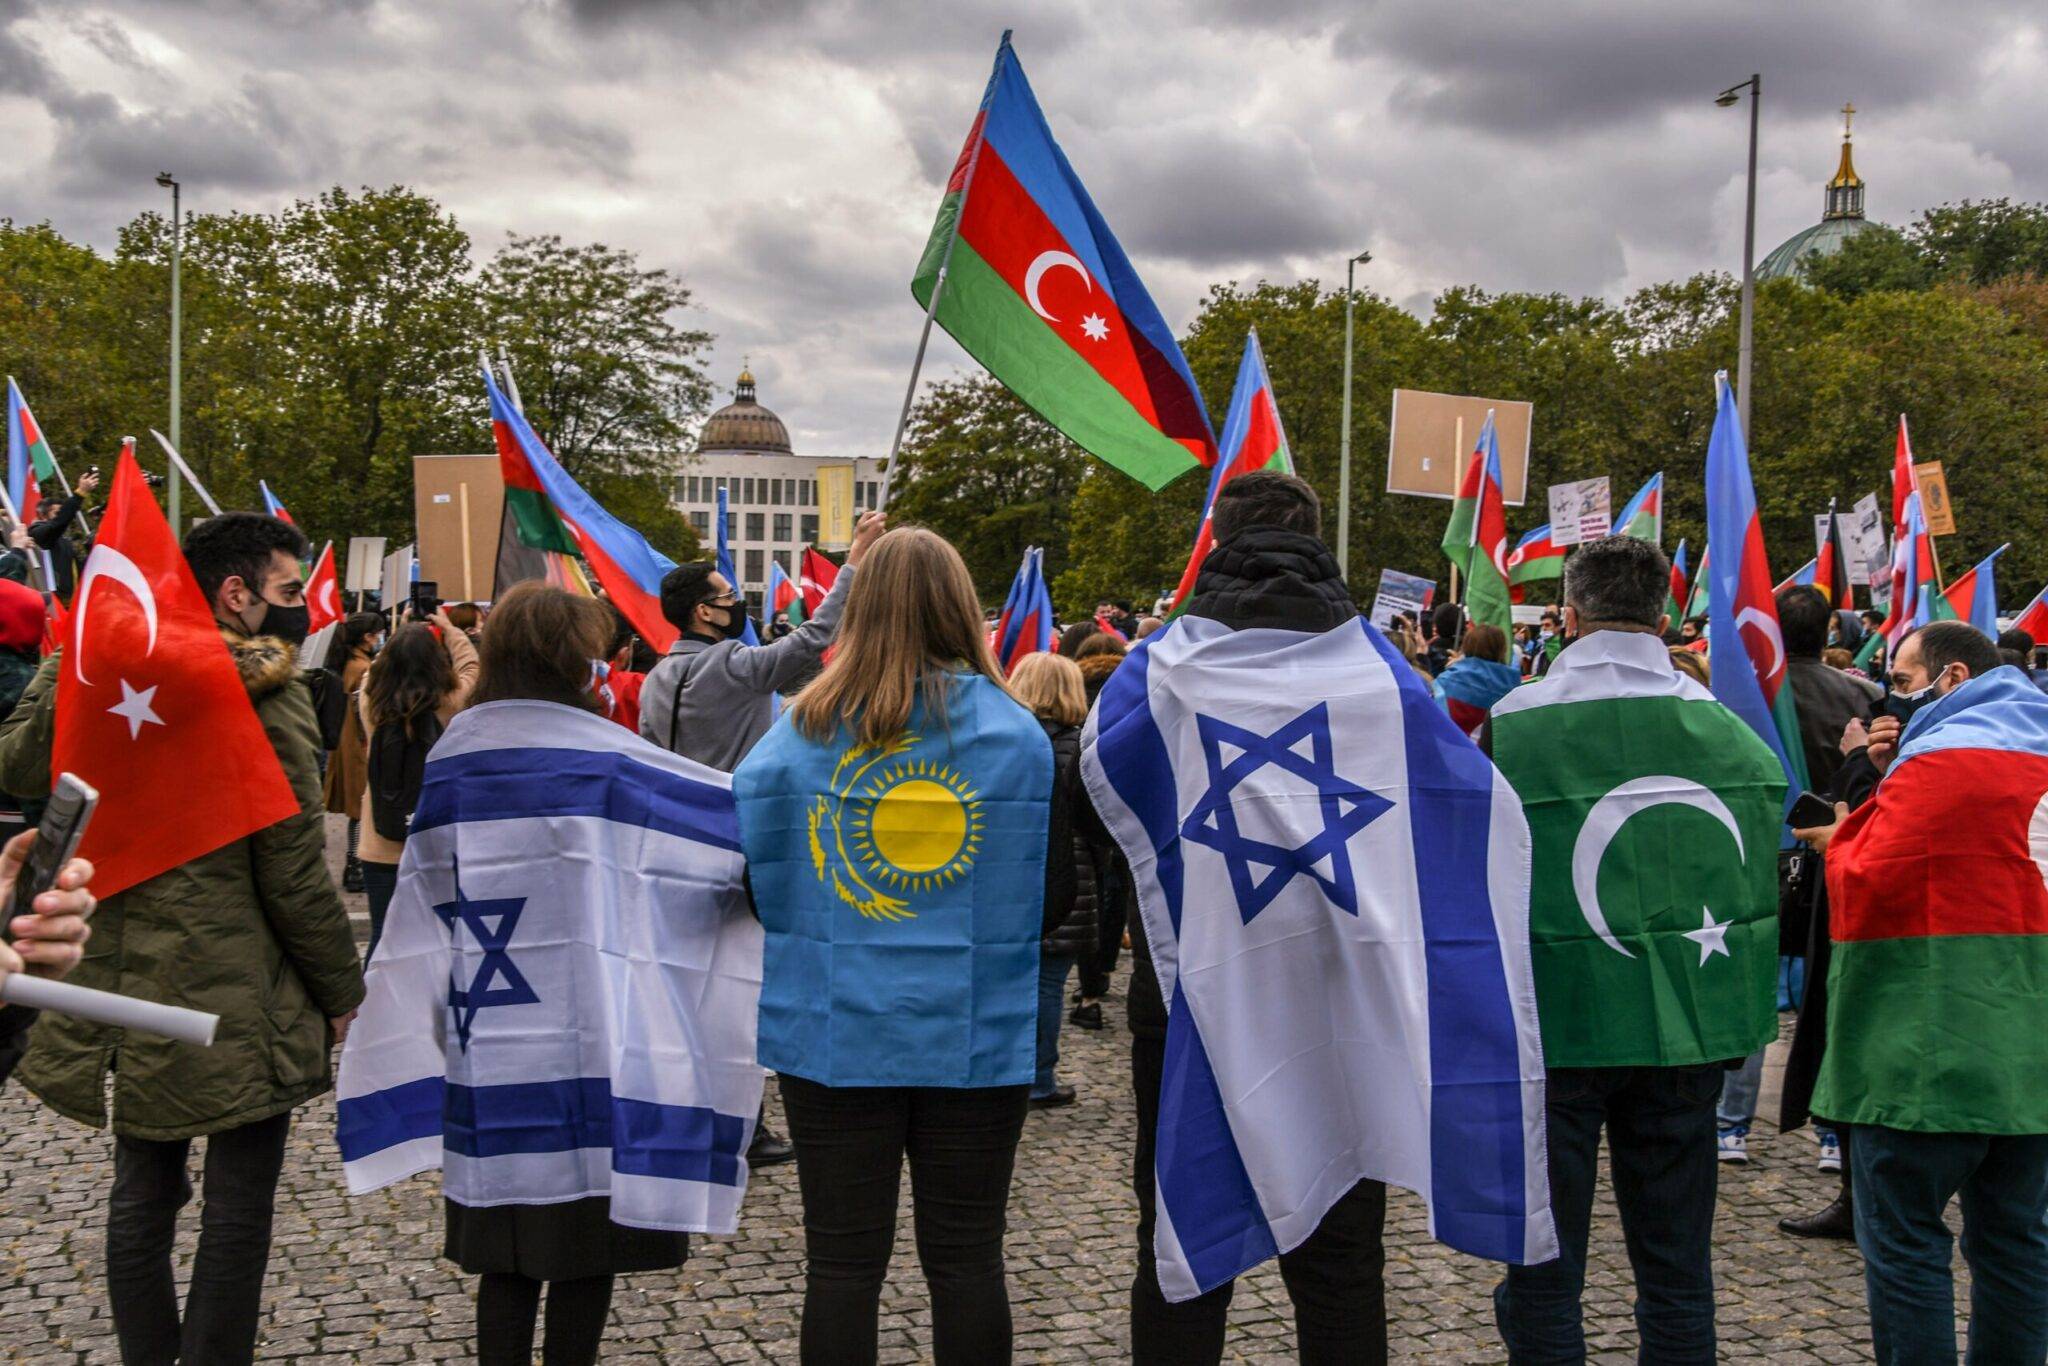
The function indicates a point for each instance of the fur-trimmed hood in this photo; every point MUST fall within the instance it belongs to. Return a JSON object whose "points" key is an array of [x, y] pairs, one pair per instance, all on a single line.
{"points": [[264, 662]]}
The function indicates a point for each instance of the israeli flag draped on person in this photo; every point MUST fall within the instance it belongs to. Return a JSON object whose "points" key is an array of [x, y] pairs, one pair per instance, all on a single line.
{"points": [[1335, 885], [563, 1002]]}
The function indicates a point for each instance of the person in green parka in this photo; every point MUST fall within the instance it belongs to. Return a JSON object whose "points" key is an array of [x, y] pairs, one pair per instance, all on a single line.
{"points": [[253, 932]]}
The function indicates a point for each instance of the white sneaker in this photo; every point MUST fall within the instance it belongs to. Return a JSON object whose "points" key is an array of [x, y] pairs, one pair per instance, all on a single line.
{"points": [[1830, 1151], [1733, 1144]]}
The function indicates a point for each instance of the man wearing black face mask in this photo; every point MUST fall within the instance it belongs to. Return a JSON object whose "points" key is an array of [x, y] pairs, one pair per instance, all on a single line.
{"points": [[253, 931]]}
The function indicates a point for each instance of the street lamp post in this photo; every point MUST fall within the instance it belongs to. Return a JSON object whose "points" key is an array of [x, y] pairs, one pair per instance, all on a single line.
{"points": [[177, 253], [1755, 86], [1344, 437]]}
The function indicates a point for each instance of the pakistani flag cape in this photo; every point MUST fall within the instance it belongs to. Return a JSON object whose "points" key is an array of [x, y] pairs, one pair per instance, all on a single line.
{"points": [[1654, 815], [902, 888], [1334, 883], [1938, 904], [562, 1004]]}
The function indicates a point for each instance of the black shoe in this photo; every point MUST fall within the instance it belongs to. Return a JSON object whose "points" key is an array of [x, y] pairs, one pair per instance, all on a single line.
{"points": [[1087, 1017], [768, 1148], [1838, 1220], [352, 875], [1061, 1095]]}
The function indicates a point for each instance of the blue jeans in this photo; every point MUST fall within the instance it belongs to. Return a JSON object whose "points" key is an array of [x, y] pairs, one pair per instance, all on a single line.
{"points": [[1791, 981], [1052, 1011], [1740, 1089], [1660, 1136], [1903, 1184]]}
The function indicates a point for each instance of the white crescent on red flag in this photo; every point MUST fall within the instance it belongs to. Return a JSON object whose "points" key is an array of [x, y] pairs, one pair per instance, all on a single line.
{"points": [[323, 592], [151, 708]]}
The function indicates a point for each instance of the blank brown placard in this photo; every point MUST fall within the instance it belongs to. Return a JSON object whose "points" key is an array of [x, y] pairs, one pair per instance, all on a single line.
{"points": [[440, 486], [1427, 445]]}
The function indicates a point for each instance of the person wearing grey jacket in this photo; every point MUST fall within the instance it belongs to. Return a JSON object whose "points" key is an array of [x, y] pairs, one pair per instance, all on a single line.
{"points": [[711, 698]]}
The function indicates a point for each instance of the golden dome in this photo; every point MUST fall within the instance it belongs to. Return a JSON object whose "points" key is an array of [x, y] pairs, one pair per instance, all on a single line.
{"points": [[744, 425]]}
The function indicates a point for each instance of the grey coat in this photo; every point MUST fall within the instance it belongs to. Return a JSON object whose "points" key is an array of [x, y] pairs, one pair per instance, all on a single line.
{"points": [[728, 690]]}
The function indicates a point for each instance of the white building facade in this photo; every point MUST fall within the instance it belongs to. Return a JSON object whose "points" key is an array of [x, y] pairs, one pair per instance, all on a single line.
{"points": [[771, 491]]}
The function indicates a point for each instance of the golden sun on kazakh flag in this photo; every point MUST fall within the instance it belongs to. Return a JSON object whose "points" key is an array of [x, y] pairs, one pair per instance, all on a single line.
{"points": [[916, 825]]}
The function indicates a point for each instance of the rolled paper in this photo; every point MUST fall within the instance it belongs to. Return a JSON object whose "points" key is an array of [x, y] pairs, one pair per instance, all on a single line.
{"points": [[109, 1008]]}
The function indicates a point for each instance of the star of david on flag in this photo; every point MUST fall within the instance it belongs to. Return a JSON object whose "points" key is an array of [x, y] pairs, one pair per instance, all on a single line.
{"points": [[1346, 809], [1336, 900], [497, 964]]}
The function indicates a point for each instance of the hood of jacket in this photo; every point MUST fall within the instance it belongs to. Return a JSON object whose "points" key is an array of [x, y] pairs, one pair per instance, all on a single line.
{"points": [[1267, 576], [264, 662]]}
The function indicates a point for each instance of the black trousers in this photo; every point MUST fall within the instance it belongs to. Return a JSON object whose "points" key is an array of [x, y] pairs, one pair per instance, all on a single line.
{"points": [[222, 1307], [1335, 1278], [850, 1145], [508, 1304]]}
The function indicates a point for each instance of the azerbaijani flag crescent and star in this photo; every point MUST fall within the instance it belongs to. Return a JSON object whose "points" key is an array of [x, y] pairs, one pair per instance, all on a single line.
{"points": [[1033, 284], [1745, 641], [552, 512], [1536, 557], [1253, 439], [1476, 537], [28, 455]]}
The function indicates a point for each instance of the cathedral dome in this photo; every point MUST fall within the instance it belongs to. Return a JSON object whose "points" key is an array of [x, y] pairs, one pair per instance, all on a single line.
{"points": [[1841, 219], [744, 425]]}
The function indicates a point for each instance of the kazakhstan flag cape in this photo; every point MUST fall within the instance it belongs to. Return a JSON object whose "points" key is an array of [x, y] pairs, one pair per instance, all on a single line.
{"points": [[902, 888], [562, 1004], [1335, 885]]}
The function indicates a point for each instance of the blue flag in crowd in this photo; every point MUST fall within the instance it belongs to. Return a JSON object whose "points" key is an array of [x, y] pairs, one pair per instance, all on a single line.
{"points": [[563, 1001], [748, 635], [1335, 885], [901, 888]]}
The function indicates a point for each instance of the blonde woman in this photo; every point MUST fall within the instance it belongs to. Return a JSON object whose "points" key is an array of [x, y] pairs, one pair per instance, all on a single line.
{"points": [[1051, 686], [895, 823]]}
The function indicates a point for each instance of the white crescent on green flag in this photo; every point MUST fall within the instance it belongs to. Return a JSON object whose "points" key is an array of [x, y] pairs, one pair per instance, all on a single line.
{"points": [[1653, 815]]}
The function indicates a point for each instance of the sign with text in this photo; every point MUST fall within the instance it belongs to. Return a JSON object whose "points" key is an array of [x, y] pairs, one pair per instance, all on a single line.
{"points": [[1941, 516], [1581, 511], [1398, 592], [1431, 437], [835, 506], [1864, 531]]}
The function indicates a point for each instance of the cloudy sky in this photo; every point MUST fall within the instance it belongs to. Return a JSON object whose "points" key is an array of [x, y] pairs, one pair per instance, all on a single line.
{"points": [[786, 156]]}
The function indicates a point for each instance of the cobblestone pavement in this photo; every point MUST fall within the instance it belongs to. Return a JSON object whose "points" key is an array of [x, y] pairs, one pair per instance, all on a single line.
{"points": [[362, 1280]]}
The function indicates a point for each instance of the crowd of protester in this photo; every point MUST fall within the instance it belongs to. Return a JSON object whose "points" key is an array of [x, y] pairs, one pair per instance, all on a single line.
{"points": [[256, 933]]}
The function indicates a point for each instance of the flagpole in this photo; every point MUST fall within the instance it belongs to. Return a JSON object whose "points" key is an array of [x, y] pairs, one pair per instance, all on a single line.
{"points": [[178, 463], [938, 288], [83, 521]]}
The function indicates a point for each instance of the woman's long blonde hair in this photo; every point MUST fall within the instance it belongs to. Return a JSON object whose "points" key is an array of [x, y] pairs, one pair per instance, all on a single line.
{"points": [[911, 619], [1050, 685]]}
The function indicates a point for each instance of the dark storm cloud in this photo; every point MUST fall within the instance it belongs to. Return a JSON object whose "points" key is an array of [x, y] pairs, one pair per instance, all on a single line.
{"points": [[1215, 195]]}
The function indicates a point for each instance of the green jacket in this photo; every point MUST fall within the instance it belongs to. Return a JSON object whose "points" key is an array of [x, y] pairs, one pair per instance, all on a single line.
{"points": [[253, 932]]}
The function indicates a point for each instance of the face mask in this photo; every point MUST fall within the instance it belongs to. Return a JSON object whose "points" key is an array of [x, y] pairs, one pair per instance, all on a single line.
{"points": [[735, 622], [1904, 704], [288, 624]]}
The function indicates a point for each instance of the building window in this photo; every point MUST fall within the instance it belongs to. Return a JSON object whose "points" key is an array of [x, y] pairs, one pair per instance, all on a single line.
{"points": [[718, 486], [755, 568], [809, 496], [701, 521], [755, 521], [810, 528], [874, 493], [781, 527], [789, 491], [774, 492]]}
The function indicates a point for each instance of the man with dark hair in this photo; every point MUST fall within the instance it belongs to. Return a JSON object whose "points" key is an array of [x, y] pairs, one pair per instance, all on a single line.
{"points": [[1936, 1039], [1446, 625], [253, 932], [1267, 568], [1646, 984], [1695, 629], [2016, 647], [50, 532]]}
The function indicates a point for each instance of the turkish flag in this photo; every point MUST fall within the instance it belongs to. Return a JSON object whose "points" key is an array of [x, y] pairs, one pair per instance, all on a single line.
{"points": [[150, 706], [818, 576], [323, 592]]}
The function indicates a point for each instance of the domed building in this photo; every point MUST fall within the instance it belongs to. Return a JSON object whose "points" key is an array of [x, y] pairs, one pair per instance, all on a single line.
{"points": [[1841, 219], [771, 491]]}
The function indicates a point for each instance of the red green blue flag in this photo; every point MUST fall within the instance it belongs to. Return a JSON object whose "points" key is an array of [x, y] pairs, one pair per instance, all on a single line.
{"points": [[1973, 596], [1033, 284], [1476, 537], [1676, 600], [1643, 516], [1025, 625], [1536, 557], [782, 596], [1744, 638], [1253, 439], [2033, 618], [1912, 548], [552, 512], [1800, 577], [1696, 605], [273, 505], [28, 455]]}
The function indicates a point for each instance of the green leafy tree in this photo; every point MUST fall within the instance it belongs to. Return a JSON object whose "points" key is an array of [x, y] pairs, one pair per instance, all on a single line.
{"points": [[1974, 242]]}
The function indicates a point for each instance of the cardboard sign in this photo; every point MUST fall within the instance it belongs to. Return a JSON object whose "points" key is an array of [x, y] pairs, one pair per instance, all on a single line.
{"points": [[1398, 592], [458, 508], [1431, 437], [365, 564], [1941, 515], [1581, 511]]}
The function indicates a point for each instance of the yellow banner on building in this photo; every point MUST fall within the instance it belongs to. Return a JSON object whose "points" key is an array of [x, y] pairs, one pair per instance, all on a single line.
{"points": [[835, 506]]}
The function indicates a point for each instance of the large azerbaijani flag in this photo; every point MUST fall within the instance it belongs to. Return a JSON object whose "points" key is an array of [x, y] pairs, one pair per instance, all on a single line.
{"points": [[1253, 439], [552, 512], [1476, 537], [1033, 284], [28, 455], [1643, 516], [1973, 597], [1744, 639], [1940, 923], [1535, 558]]}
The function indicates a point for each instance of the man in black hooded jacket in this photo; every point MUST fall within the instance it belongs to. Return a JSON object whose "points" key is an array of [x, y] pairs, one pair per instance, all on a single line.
{"points": [[1269, 568]]}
